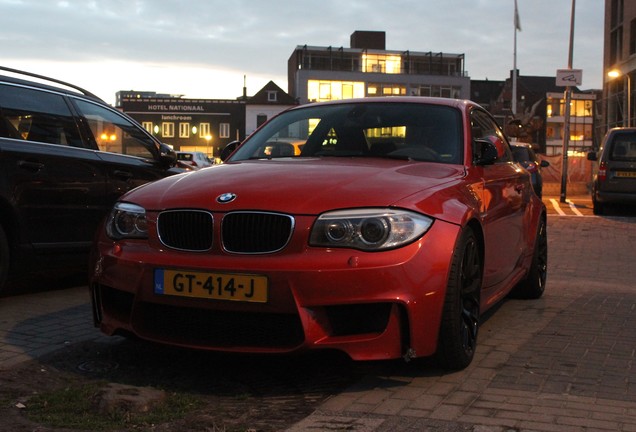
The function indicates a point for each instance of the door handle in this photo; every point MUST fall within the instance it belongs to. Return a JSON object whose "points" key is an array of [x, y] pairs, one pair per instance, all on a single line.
{"points": [[31, 166], [123, 174]]}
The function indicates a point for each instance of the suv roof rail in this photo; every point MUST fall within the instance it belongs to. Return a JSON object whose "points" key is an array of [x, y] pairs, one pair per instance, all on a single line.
{"points": [[42, 77]]}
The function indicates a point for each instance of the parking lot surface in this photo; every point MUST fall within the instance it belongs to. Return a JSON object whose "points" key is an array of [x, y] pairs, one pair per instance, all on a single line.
{"points": [[565, 362]]}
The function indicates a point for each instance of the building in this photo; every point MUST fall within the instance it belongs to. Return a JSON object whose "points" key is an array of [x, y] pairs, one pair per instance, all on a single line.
{"points": [[367, 68], [265, 104], [619, 62], [582, 122], [132, 94], [540, 113], [205, 125], [486, 93]]}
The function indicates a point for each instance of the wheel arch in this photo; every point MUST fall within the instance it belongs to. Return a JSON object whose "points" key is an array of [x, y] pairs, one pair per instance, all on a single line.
{"points": [[474, 225]]}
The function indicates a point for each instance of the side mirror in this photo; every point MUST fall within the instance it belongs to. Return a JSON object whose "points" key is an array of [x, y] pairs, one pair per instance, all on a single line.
{"points": [[485, 152], [592, 156], [167, 156], [229, 149]]}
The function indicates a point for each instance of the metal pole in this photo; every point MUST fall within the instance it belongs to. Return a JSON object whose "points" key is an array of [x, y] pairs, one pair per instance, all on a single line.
{"points": [[517, 26], [566, 129], [514, 78], [629, 100]]}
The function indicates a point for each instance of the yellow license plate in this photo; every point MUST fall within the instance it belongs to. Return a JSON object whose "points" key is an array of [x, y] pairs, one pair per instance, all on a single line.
{"points": [[625, 174], [216, 286]]}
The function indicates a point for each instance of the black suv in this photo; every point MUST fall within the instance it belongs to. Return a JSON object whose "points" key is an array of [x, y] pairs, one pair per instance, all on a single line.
{"points": [[615, 179], [65, 158]]}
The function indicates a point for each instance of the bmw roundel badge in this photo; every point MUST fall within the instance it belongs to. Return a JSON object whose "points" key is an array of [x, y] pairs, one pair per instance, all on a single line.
{"points": [[226, 198]]}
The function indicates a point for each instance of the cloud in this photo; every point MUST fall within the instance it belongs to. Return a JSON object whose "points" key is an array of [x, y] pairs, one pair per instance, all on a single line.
{"points": [[130, 42]]}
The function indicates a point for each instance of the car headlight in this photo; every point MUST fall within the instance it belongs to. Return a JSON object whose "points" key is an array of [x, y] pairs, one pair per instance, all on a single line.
{"points": [[368, 229], [127, 221]]}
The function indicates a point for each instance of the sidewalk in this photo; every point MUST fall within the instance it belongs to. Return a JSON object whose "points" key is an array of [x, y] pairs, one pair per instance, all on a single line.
{"points": [[35, 324], [565, 362]]}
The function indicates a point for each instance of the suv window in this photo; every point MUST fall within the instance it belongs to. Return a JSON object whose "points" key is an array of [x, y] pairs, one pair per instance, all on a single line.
{"points": [[113, 133], [36, 116], [624, 147]]}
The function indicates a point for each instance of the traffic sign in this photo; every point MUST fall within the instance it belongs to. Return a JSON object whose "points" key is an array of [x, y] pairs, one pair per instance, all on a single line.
{"points": [[569, 77]]}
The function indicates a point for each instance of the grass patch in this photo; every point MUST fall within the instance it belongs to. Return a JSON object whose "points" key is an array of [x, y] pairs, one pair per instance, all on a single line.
{"points": [[74, 408]]}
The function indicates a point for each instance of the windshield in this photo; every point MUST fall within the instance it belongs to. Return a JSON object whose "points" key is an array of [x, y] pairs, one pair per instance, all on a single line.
{"points": [[412, 131]]}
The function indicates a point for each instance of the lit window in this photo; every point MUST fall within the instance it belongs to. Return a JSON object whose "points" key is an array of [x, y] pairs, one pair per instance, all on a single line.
{"points": [[167, 130], [184, 130], [322, 91], [382, 63], [204, 130], [147, 126], [224, 130]]}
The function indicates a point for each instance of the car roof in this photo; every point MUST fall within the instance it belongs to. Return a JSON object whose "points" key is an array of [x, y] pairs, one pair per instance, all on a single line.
{"points": [[396, 99], [60, 87]]}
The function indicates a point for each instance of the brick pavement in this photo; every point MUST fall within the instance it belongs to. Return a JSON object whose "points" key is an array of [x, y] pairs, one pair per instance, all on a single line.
{"points": [[565, 362], [35, 324]]}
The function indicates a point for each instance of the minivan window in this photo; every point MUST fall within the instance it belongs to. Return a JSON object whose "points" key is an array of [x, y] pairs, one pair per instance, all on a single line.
{"points": [[36, 115], [115, 134]]}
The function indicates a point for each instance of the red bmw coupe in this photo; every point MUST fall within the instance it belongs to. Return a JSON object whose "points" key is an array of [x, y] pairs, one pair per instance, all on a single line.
{"points": [[399, 223]]}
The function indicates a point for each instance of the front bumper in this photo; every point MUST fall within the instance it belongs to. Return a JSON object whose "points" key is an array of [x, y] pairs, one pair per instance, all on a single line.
{"points": [[370, 305]]}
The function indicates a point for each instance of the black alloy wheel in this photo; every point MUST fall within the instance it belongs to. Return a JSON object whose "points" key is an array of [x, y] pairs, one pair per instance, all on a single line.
{"points": [[460, 320], [533, 286]]}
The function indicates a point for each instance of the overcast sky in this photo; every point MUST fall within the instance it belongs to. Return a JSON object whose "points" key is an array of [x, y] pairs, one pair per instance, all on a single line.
{"points": [[204, 48]]}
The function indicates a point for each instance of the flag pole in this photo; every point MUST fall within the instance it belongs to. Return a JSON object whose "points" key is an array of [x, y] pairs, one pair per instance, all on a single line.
{"points": [[514, 63]]}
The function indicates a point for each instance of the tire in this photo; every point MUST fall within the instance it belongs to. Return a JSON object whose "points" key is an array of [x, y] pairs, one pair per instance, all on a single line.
{"points": [[533, 286], [5, 259], [460, 318], [597, 208]]}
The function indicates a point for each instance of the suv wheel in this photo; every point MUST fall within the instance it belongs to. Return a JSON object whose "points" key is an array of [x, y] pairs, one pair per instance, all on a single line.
{"points": [[597, 208]]}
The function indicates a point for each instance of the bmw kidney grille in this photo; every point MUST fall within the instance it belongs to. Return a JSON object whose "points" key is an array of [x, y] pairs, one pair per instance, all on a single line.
{"points": [[242, 232]]}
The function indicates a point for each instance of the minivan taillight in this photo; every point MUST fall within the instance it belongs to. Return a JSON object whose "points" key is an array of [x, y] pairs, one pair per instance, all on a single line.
{"points": [[602, 171], [532, 167]]}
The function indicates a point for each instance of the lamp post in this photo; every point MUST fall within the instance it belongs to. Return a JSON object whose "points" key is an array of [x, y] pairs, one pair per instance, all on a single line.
{"points": [[615, 73]]}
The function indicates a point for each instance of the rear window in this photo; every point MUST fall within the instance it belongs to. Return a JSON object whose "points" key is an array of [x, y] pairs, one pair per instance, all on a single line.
{"points": [[520, 153], [624, 147], [35, 115]]}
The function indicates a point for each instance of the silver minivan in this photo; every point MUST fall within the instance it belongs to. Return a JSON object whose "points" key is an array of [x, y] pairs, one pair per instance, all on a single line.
{"points": [[615, 180]]}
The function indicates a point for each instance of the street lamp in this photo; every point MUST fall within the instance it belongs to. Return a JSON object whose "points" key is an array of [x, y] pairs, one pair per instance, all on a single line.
{"points": [[615, 73]]}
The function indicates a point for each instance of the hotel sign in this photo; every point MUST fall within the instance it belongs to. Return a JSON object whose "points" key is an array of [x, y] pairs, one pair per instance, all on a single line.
{"points": [[175, 108]]}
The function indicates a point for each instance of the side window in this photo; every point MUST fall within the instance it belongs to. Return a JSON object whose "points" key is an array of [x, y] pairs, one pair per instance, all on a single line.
{"points": [[484, 127], [115, 134], [36, 115]]}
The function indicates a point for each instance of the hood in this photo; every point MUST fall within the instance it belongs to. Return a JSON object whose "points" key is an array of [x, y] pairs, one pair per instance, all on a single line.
{"points": [[297, 186]]}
